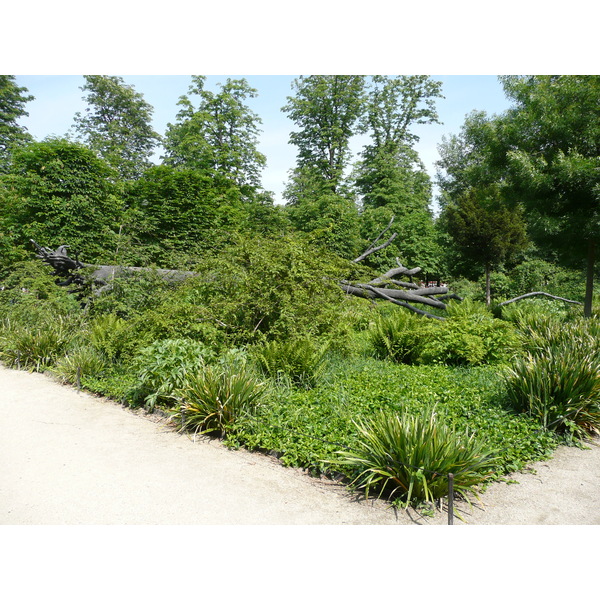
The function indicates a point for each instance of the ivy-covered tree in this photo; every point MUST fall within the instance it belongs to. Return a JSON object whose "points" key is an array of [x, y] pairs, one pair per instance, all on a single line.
{"points": [[117, 124], [13, 99], [219, 135], [59, 192]]}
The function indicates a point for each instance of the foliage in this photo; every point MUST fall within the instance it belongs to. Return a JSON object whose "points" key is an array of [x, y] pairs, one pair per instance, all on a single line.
{"points": [[307, 427], [298, 359], [12, 108], [80, 361], [560, 387], [59, 192], [485, 230], [214, 398], [117, 124], [326, 109], [469, 336], [35, 347], [165, 367], [398, 337], [220, 136], [272, 287], [182, 214], [408, 457]]}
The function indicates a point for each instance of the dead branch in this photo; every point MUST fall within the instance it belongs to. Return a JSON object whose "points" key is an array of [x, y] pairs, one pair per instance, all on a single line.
{"points": [[530, 294]]}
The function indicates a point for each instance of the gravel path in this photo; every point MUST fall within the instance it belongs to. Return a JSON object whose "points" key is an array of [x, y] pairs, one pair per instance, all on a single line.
{"points": [[72, 458]]}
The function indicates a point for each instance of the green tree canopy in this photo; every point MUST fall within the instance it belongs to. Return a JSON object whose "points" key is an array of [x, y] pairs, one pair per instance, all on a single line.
{"points": [[117, 125], [326, 110], [12, 107], [220, 135], [485, 230], [59, 192]]}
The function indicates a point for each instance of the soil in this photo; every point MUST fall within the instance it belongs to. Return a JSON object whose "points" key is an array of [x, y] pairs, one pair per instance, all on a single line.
{"points": [[73, 458]]}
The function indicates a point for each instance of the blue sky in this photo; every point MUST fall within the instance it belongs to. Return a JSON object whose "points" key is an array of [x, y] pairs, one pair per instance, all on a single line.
{"points": [[59, 97]]}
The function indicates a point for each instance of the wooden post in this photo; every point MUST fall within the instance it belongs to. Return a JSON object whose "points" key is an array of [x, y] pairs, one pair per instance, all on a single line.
{"points": [[450, 499]]}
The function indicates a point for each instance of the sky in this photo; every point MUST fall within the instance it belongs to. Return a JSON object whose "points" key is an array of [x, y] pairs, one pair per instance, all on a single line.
{"points": [[59, 97]]}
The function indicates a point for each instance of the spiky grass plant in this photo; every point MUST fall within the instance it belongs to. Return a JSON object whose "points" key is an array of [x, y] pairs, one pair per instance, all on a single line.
{"points": [[215, 398], [560, 387], [407, 458], [300, 360], [80, 361], [35, 347]]}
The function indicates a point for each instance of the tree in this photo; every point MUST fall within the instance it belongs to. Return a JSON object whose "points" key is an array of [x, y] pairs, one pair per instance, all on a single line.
{"points": [[485, 230], [219, 136], [12, 107], [117, 125], [390, 177], [59, 192], [326, 109], [552, 137]]}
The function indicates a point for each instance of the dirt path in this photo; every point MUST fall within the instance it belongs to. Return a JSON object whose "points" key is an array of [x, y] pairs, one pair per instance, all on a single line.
{"points": [[71, 458]]}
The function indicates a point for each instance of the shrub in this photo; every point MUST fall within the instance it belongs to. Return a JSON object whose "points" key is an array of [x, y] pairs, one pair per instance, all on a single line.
{"points": [[300, 360], [470, 336], [215, 398], [408, 457], [164, 367]]}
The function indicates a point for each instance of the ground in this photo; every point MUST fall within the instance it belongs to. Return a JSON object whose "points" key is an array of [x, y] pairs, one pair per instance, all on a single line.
{"points": [[72, 458]]}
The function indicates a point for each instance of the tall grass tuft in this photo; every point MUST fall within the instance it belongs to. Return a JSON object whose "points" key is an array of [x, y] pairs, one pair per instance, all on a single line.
{"points": [[215, 398], [408, 457], [35, 347], [560, 387]]}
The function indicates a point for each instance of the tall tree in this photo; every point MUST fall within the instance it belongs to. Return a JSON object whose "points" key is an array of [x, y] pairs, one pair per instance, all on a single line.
{"points": [[552, 141], [390, 177], [12, 108], [326, 109], [219, 135], [117, 125]]}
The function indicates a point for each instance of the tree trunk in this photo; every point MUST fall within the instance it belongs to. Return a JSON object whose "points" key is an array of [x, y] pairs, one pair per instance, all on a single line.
{"points": [[589, 284], [488, 295]]}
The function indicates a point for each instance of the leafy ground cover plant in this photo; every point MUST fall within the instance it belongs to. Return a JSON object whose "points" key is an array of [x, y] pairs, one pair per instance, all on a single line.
{"points": [[306, 427], [164, 367], [408, 457], [214, 398]]}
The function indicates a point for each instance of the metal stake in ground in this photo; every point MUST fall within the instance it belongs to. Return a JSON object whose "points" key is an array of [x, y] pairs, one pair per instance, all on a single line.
{"points": [[450, 499]]}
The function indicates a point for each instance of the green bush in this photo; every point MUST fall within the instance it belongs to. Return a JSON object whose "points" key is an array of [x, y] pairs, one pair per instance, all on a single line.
{"points": [[470, 336], [165, 367], [214, 398], [299, 360], [108, 335], [408, 457], [80, 361]]}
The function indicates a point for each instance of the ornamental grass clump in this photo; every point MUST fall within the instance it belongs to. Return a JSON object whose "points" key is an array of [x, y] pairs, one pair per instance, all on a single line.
{"points": [[407, 458], [560, 387], [215, 398]]}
